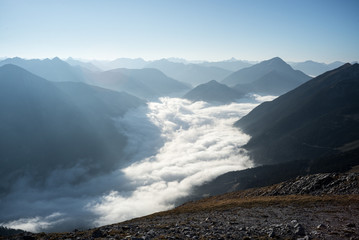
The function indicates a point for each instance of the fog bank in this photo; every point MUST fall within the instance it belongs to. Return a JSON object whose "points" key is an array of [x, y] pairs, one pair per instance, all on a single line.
{"points": [[173, 145]]}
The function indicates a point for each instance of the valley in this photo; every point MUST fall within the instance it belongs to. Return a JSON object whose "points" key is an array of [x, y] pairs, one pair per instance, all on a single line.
{"points": [[124, 143]]}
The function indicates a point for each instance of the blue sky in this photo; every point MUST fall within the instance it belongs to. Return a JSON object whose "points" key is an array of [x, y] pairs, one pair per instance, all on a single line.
{"points": [[320, 30]]}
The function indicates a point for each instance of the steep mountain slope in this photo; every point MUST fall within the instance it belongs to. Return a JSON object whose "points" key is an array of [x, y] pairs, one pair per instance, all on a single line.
{"points": [[314, 68], [267, 75], [144, 83], [321, 206], [213, 92], [45, 128], [318, 118], [189, 73], [54, 69], [272, 174], [99, 101]]}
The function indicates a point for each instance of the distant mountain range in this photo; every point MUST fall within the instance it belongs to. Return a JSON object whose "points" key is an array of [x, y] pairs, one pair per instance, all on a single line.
{"points": [[131, 63], [213, 92], [312, 129], [193, 74], [46, 126], [315, 68], [230, 65], [54, 69], [144, 83], [198, 72], [273, 77], [318, 118], [83, 64]]}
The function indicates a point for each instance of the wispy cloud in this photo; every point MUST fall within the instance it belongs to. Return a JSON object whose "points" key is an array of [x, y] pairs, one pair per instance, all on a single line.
{"points": [[35, 224]]}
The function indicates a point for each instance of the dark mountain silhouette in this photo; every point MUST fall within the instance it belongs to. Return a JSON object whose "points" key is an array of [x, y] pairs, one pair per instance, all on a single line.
{"points": [[145, 83], [193, 74], [54, 69], [230, 65], [272, 174], [273, 76], [316, 119], [213, 92], [315, 68], [46, 126]]}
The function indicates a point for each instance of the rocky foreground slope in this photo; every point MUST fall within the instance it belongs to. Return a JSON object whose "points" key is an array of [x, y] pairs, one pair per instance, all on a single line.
{"points": [[320, 206]]}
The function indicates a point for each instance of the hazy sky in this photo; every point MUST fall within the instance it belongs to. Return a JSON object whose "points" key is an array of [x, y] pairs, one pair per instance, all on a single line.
{"points": [[321, 30]]}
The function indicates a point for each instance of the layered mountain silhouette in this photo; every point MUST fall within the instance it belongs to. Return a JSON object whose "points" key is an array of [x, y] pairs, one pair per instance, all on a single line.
{"points": [[213, 92], [88, 65], [273, 77], [130, 63], [312, 129], [46, 126], [315, 68], [231, 64], [193, 74], [54, 69], [144, 83], [318, 118]]}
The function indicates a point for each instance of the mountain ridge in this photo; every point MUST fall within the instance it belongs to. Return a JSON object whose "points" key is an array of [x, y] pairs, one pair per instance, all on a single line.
{"points": [[213, 91], [302, 116], [37, 116]]}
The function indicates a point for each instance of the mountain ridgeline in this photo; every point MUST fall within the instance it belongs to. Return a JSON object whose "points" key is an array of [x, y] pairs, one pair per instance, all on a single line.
{"points": [[192, 74], [314, 68], [54, 70], [319, 117], [144, 83], [46, 126], [213, 92], [311, 129], [271, 77], [66, 128]]}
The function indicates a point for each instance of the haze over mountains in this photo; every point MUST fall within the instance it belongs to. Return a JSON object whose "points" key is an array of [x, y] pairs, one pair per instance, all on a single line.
{"points": [[145, 83], [47, 126], [82, 146], [54, 69], [193, 74], [319, 117], [272, 77], [312, 129], [314, 68], [214, 92]]}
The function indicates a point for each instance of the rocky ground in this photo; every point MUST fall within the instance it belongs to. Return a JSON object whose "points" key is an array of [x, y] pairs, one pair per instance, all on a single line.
{"points": [[321, 206]]}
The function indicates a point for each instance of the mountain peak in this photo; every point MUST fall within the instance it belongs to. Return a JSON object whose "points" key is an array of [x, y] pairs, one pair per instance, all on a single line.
{"points": [[56, 59], [10, 66], [275, 60], [321, 107], [258, 71], [213, 82], [213, 91]]}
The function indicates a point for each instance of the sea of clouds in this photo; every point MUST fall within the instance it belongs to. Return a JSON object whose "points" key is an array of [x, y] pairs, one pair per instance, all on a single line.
{"points": [[173, 145]]}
